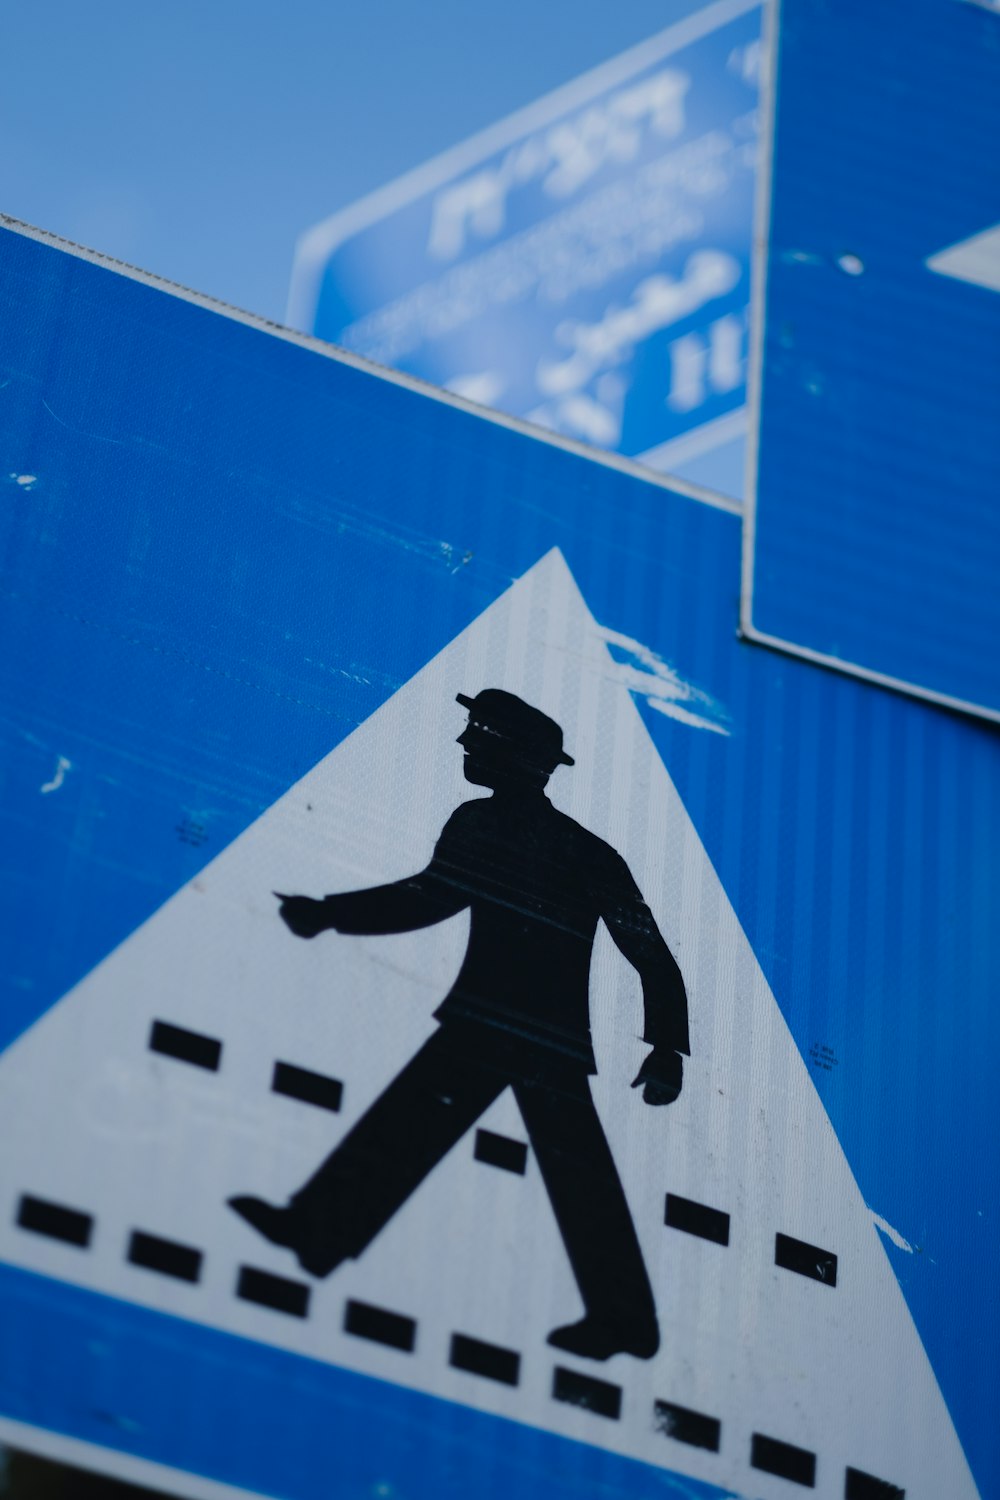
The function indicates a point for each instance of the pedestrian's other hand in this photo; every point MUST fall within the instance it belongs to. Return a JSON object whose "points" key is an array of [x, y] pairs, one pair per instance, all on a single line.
{"points": [[662, 1074], [302, 914]]}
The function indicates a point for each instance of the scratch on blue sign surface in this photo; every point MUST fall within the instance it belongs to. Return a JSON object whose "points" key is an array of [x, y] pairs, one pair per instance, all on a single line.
{"points": [[58, 776], [643, 671], [890, 1233]]}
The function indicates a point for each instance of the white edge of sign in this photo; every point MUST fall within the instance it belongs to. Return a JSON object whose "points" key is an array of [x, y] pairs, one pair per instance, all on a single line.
{"points": [[697, 442], [315, 245], [114, 1464], [755, 380], [422, 388], [758, 303]]}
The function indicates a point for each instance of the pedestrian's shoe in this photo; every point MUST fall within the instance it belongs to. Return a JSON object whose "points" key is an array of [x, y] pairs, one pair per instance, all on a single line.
{"points": [[275, 1224], [284, 1227], [590, 1339], [320, 1260]]}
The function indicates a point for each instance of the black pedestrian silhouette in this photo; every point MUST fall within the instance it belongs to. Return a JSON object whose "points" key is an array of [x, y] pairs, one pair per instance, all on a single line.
{"points": [[536, 884]]}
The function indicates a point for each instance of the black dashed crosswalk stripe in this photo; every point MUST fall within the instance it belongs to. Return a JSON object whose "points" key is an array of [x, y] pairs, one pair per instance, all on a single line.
{"points": [[594, 1395], [783, 1459], [697, 1218], [480, 1358], [861, 1486], [275, 1292], [501, 1151], [807, 1260], [165, 1256], [185, 1046], [306, 1086], [687, 1426], [366, 1321], [55, 1220]]}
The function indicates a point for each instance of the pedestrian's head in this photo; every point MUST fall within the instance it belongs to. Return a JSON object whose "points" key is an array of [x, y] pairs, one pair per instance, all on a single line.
{"points": [[507, 742]]}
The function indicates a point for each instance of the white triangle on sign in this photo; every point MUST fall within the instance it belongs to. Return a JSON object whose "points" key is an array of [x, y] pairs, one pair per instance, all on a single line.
{"points": [[92, 1119]]}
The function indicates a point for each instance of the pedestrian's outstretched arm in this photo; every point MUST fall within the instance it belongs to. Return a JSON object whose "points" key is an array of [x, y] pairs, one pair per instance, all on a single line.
{"points": [[404, 906], [420, 900]]}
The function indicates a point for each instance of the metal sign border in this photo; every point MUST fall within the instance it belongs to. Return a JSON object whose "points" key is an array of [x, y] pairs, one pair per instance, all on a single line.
{"points": [[112, 1463]]}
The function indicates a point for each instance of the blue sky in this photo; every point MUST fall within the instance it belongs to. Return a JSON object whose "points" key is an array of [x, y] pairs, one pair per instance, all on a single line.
{"points": [[197, 140]]}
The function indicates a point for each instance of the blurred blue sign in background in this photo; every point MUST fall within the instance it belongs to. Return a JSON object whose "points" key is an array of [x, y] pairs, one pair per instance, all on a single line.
{"points": [[584, 265]]}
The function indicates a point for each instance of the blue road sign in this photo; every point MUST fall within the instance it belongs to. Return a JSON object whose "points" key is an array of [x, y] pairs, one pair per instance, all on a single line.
{"points": [[470, 1022], [584, 264], [874, 538]]}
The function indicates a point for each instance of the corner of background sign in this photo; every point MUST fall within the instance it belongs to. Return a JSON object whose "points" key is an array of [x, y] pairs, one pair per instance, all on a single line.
{"points": [[759, 262], [760, 247]]}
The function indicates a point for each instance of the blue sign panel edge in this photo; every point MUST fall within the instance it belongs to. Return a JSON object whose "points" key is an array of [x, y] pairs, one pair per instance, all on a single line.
{"points": [[770, 85], [667, 482]]}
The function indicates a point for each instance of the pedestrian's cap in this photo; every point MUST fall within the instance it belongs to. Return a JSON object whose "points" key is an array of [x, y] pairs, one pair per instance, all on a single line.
{"points": [[528, 727]]}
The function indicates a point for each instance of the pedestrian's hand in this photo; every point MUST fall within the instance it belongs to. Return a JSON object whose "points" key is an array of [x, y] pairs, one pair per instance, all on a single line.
{"points": [[662, 1074], [302, 914]]}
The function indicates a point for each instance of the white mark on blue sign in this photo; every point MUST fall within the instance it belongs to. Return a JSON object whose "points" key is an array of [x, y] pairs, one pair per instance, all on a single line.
{"points": [[976, 260]]}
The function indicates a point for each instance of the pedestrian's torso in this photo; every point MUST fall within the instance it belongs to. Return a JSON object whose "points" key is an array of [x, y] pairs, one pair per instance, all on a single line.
{"points": [[533, 877]]}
